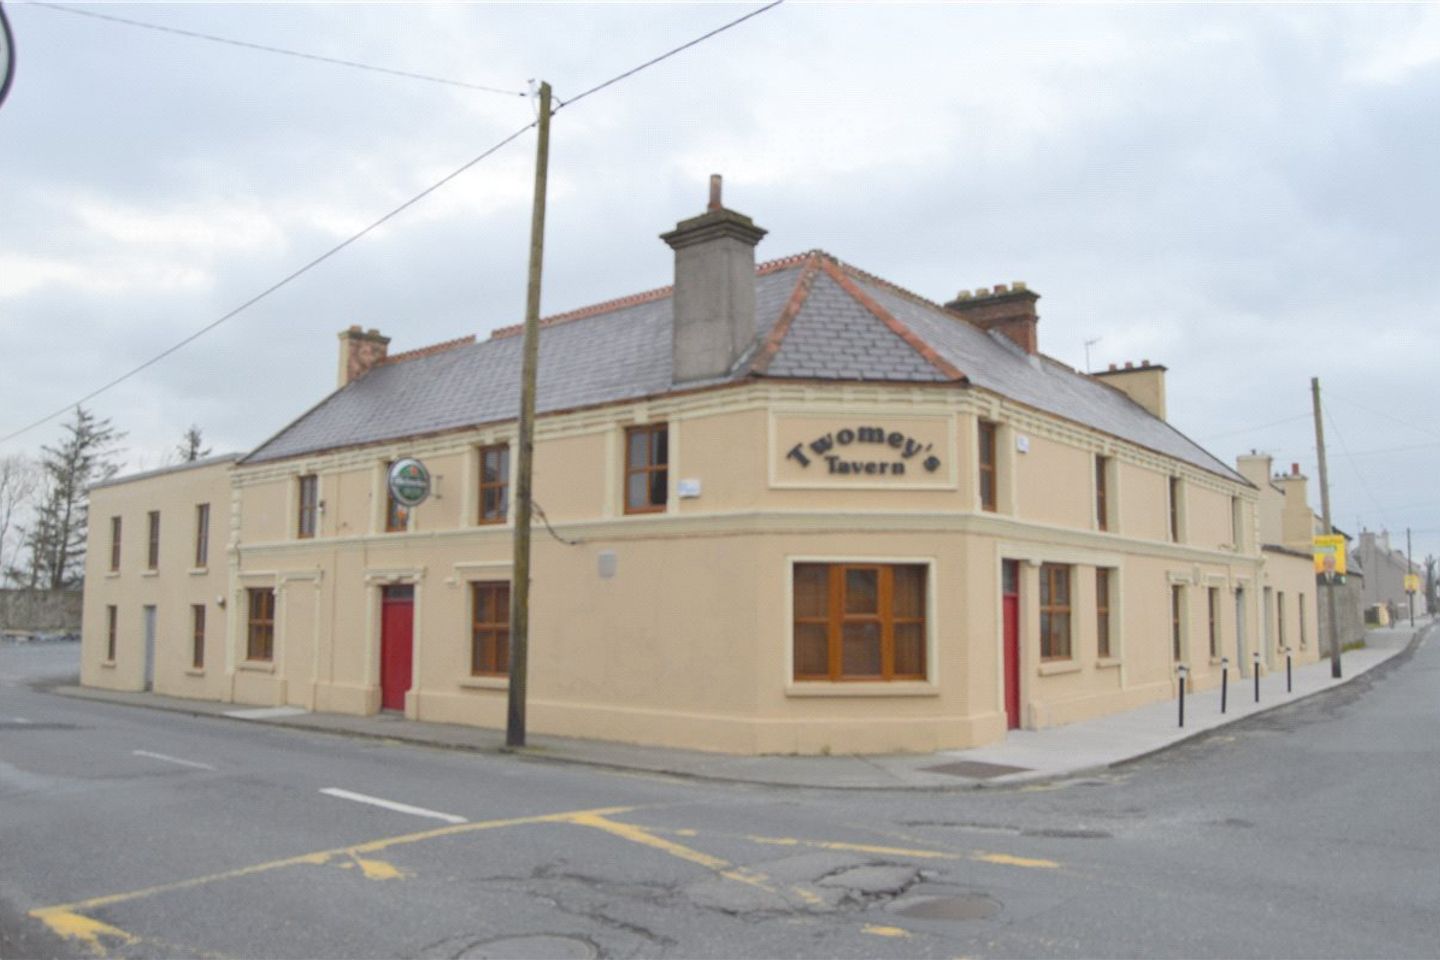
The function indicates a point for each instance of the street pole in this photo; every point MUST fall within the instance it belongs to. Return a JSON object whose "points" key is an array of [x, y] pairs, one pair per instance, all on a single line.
{"points": [[520, 577], [1325, 517], [1409, 572]]}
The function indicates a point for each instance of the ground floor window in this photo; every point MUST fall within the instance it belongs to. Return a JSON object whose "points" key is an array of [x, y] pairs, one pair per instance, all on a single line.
{"points": [[110, 618], [1177, 620], [197, 652], [1214, 614], [1054, 611], [260, 644], [490, 628], [1102, 612], [859, 621]]}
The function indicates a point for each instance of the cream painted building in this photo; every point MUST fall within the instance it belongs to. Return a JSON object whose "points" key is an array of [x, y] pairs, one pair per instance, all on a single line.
{"points": [[790, 508]]}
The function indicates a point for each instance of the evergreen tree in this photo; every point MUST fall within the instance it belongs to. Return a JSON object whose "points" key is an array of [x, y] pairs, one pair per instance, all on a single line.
{"points": [[56, 538], [191, 444]]}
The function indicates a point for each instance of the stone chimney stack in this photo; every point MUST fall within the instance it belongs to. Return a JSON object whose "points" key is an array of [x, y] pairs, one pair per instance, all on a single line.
{"points": [[1007, 309], [714, 289], [359, 351], [1297, 519], [1144, 384]]}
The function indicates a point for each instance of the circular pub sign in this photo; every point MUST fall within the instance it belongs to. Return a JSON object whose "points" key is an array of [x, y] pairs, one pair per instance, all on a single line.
{"points": [[409, 482]]}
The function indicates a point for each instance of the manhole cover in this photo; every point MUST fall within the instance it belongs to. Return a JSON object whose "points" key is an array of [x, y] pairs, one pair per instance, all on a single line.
{"points": [[969, 906], [975, 769], [541, 946]]}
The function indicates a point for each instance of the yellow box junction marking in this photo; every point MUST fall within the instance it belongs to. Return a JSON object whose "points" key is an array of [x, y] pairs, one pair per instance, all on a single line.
{"points": [[1003, 859]]}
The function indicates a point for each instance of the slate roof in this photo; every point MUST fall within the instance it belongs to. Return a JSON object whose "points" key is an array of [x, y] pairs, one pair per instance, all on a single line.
{"points": [[817, 318]]}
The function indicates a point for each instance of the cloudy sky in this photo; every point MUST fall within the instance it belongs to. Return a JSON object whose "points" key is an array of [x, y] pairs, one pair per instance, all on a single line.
{"points": [[1247, 194]]}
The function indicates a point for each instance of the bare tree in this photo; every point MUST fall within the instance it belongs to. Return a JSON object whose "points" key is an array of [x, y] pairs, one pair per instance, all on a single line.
{"points": [[56, 538], [191, 444], [19, 481]]}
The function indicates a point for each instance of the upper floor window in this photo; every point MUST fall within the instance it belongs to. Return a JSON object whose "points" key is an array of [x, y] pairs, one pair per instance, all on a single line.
{"points": [[646, 460], [308, 521], [397, 515], [1213, 610], [859, 621], [1237, 523], [153, 555], [494, 483], [114, 543], [1102, 612], [490, 628], [986, 460], [260, 641], [202, 535], [1054, 611], [1102, 493], [1175, 509]]}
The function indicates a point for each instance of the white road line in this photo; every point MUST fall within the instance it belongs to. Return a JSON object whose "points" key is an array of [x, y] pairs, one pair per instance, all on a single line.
{"points": [[21, 720], [169, 759], [392, 805]]}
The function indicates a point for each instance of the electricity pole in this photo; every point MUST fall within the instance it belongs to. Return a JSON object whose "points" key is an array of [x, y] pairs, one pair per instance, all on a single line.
{"points": [[520, 575], [1409, 572], [1325, 516]]}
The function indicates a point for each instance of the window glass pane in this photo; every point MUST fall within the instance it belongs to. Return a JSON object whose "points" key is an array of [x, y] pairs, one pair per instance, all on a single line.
{"points": [[660, 447], [635, 488], [987, 489], [812, 590], [909, 649], [860, 650], [908, 596], [638, 449], [1060, 636], [658, 485], [862, 591], [812, 649], [1011, 576], [1061, 590]]}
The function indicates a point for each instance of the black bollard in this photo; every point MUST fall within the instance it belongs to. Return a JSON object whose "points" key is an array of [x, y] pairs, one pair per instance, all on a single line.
{"points": [[1182, 670], [1224, 681], [1257, 676], [1287, 670]]}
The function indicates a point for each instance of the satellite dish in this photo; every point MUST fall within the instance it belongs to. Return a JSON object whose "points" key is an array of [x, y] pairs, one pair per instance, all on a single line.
{"points": [[7, 56]]}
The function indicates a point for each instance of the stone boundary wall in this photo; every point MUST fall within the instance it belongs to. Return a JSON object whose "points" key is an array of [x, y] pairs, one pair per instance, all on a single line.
{"points": [[1349, 610], [36, 611]]}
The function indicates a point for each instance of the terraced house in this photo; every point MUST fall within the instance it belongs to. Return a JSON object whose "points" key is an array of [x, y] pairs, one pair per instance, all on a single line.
{"points": [[788, 508]]}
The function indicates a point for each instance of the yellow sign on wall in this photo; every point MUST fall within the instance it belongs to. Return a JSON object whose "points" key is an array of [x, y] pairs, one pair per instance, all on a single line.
{"points": [[1412, 583], [1330, 555]]}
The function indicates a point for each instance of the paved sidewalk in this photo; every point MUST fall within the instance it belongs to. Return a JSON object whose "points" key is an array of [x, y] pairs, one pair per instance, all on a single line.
{"points": [[1024, 755]]}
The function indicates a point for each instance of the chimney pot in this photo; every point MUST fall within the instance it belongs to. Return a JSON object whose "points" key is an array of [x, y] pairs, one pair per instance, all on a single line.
{"points": [[1018, 285], [1114, 366], [982, 291], [1294, 469], [964, 295], [715, 182], [1129, 365], [1144, 363], [360, 351], [1001, 288], [1005, 310]]}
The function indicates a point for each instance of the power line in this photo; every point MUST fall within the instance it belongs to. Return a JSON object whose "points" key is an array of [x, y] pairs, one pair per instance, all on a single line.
{"points": [[1344, 448], [667, 55], [280, 50], [1392, 418], [273, 287], [1261, 426]]}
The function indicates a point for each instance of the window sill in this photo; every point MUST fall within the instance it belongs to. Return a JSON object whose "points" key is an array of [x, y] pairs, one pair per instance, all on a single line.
{"points": [[199, 571], [150, 573], [861, 688], [192, 672], [108, 664], [257, 666], [1057, 667], [1106, 663], [485, 683], [112, 574]]}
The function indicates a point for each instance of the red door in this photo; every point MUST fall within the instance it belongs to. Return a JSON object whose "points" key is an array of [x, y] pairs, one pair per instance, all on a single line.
{"points": [[1010, 602], [397, 617]]}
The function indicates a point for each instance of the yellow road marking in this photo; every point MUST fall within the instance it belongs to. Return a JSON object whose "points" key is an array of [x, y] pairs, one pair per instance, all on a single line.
{"points": [[71, 925], [879, 931], [724, 868], [379, 869], [999, 858], [1005, 859]]}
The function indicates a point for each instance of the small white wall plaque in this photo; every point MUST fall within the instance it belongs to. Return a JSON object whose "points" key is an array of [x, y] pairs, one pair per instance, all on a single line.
{"points": [[688, 488]]}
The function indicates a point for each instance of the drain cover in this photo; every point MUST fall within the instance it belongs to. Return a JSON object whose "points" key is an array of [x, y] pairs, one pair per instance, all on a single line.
{"points": [[975, 769], [968, 906], [543, 946]]}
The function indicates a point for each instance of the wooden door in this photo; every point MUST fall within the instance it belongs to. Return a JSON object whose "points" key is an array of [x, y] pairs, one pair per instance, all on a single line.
{"points": [[1010, 602], [397, 619]]}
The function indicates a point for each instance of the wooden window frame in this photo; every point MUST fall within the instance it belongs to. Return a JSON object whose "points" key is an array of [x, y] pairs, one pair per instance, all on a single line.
{"points": [[116, 527], [490, 639], [197, 636], [1103, 586], [1056, 637], [1102, 492], [202, 535], [836, 618], [648, 469], [112, 617], [307, 522], [1177, 622], [1213, 607], [260, 624], [152, 554], [987, 465], [501, 486]]}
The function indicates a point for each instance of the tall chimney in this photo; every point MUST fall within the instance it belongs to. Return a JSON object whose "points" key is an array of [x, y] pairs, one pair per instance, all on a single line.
{"points": [[1009, 310], [714, 289], [359, 351], [1144, 384]]}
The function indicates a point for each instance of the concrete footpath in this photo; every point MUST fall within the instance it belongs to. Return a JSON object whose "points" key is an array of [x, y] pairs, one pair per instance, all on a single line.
{"points": [[1023, 756]]}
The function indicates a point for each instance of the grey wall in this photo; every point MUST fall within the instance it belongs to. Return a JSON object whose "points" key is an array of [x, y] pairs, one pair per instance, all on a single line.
{"points": [[40, 610]]}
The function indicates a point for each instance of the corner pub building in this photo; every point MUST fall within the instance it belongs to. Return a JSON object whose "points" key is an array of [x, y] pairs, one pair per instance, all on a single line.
{"points": [[795, 509]]}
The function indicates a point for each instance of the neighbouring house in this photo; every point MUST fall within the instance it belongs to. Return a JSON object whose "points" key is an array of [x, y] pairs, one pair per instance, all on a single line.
{"points": [[795, 509], [1385, 570]]}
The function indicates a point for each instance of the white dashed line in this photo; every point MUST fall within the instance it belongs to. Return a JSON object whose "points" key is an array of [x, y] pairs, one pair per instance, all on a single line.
{"points": [[169, 759], [392, 805]]}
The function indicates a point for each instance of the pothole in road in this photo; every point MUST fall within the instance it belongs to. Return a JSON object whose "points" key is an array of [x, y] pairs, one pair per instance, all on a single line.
{"points": [[966, 906], [541, 946]]}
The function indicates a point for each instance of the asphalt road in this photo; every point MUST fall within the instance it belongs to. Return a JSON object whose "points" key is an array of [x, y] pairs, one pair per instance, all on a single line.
{"points": [[1310, 831]]}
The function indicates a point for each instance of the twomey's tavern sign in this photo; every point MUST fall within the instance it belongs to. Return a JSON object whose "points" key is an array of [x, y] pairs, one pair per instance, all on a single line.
{"points": [[831, 448], [881, 452]]}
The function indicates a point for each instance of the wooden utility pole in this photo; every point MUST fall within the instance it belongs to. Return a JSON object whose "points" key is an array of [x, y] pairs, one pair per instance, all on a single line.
{"points": [[520, 575], [1325, 516], [1409, 572]]}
